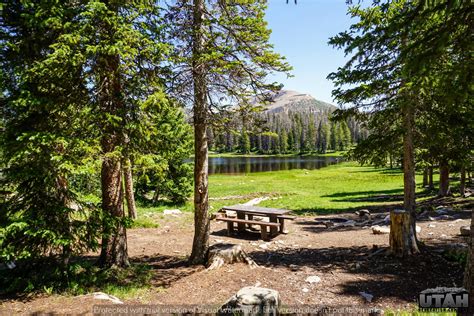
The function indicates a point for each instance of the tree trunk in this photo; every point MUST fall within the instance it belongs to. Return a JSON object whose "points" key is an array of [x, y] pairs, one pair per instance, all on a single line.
{"points": [[444, 179], [129, 196], [430, 178], [409, 235], [156, 196], [201, 203], [114, 241], [402, 239], [425, 177], [469, 271], [462, 183], [62, 187]]}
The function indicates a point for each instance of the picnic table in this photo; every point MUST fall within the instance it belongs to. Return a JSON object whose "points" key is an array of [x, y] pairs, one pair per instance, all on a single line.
{"points": [[245, 214]]}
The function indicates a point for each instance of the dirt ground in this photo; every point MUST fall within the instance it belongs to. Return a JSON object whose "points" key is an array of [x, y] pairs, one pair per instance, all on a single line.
{"points": [[347, 259]]}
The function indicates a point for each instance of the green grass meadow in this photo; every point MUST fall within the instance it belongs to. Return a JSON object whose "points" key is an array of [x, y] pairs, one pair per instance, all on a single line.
{"points": [[337, 188]]}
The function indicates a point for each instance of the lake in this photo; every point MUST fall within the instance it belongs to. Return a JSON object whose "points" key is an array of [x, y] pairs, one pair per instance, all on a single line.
{"points": [[238, 165]]}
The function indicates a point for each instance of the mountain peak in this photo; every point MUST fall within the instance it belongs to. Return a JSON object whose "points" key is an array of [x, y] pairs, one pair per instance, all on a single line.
{"points": [[289, 100]]}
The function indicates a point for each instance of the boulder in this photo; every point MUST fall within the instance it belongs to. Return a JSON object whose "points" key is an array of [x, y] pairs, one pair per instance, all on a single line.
{"points": [[363, 214], [367, 296], [313, 279], [465, 230], [106, 297], [252, 300]]}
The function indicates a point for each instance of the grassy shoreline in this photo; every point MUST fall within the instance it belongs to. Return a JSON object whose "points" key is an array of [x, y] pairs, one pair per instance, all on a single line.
{"points": [[343, 187]]}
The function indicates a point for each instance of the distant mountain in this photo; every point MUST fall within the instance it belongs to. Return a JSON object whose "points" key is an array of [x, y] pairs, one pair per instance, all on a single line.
{"points": [[287, 100]]}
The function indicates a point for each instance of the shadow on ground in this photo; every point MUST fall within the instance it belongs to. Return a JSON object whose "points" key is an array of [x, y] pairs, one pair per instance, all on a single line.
{"points": [[381, 275], [387, 199], [166, 269]]}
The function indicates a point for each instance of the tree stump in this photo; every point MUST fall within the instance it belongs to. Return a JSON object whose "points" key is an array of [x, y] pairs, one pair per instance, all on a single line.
{"points": [[402, 236], [220, 254]]}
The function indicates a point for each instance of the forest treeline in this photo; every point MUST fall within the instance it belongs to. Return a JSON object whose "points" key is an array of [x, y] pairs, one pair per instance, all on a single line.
{"points": [[292, 131]]}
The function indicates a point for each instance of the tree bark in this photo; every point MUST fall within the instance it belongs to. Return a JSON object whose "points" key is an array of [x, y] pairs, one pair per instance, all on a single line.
{"points": [[462, 183], [430, 178], [444, 179], [425, 177], [201, 203], [402, 239], [409, 199], [129, 195], [114, 241]]}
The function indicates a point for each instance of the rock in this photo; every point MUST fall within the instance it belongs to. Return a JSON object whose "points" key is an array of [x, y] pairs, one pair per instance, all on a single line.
{"points": [[313, 279], [293, 267], [103, 296], [305, 290], [11, 265], [418, 229], [252, 300], [368, 297], [459, 220], [431, 225], [263, 246], [465, 230], [172, 212], [379, 230], [442, 211], [364, 214], [257, 284], [431, 234]]}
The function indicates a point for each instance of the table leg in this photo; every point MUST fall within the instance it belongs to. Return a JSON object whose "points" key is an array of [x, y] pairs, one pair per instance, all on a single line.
{"points": [[273, 230], [240, 226], [250, 217], [230, 228], [282, 226], [263, 233]]}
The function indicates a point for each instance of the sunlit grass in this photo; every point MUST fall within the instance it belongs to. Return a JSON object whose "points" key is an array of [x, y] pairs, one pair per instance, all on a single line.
{"points": [[336, 188]]}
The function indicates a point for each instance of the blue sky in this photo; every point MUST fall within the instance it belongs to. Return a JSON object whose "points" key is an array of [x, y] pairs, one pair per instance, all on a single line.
{"points": [[300, 33]]}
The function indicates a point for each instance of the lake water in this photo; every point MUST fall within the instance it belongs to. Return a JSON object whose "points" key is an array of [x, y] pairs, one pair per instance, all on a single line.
{"points": [[236, 165]]}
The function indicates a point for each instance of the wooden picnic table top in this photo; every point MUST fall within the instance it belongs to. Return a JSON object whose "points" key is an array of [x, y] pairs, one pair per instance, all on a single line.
{"points": [[256, 209]]}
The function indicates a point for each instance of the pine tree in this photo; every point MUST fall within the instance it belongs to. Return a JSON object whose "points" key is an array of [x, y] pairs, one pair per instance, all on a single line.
{"points": [[283, 141], [45, 143], [202, 32], [333, 135]]}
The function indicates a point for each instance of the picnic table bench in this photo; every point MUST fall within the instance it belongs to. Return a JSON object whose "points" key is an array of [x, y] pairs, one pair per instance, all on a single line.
{"points": [[276, 219]]}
